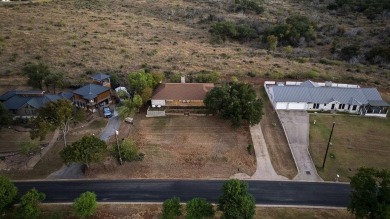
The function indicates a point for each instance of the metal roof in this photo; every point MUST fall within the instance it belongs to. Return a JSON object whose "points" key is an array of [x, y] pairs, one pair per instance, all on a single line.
{"points": [[16, 102], [313, 94], [100, 77], [90, 91], [7, 95], [182, 91]]}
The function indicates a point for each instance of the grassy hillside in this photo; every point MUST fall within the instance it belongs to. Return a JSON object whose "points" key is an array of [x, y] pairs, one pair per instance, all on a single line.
{"points": [[172, 36]]}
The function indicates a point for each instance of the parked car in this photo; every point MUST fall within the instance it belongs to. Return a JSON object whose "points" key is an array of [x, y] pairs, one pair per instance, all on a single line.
{"points": [[107, 112]]}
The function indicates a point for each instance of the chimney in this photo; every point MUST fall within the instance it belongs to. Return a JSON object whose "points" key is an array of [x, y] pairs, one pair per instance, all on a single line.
{"points": [[328, 84], [183, 79]]}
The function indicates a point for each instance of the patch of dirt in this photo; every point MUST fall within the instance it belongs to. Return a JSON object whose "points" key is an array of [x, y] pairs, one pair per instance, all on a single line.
{"points": [[277, 145], [182, 147]]}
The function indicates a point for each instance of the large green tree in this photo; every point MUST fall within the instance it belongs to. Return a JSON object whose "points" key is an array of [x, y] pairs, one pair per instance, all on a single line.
{"points": [[8, 193], [171, 208], [370, 196], [140, 80], [199, 208], [235, 201], [85, 205], [29, 204], [57, 114], [85, 151], [237, 102]]}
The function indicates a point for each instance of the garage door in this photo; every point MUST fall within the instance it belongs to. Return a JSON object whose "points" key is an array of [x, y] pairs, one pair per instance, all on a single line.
{"points": [[296, 106], [281, 106]]}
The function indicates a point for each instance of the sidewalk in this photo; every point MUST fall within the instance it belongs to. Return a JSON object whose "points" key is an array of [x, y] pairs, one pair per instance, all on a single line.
{"points": [[264, 168]]}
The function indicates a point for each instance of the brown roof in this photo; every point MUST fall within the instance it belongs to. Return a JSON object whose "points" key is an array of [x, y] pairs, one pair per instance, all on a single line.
{"points": [[182, 91]]}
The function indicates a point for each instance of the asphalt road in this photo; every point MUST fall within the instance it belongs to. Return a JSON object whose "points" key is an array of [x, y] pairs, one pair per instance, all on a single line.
{"points": [[265, 192]]}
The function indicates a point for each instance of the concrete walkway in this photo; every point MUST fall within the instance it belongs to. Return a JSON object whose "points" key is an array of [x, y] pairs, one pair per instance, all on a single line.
{"points": [[296, 126], [264, 168]]}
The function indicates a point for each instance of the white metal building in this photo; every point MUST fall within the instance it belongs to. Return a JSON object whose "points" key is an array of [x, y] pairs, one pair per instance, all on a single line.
{"points": [[326, 97]]}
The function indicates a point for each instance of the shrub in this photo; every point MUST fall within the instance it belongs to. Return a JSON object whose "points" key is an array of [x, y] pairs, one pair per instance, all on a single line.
{"points": [[248, 5], [199, 208], [378, 55], [85, 205], [226, 29], [171, 208], [348, 52]]}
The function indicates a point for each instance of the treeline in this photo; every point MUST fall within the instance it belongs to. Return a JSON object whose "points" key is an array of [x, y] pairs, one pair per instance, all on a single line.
{"points": [[295, 29]]}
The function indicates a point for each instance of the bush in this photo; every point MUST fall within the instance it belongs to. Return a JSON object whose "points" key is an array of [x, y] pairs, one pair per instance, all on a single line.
{"points": [[349, 52], [171, 208], [293, 30], [226, 29], [378, 55], [248, 5], [129, 151], [85, 205], [199, 208]]}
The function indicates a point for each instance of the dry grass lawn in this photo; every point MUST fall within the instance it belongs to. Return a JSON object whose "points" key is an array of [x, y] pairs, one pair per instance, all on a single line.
{"points": [[184, 147], [153, 211], [79, 36], [356, 142]]}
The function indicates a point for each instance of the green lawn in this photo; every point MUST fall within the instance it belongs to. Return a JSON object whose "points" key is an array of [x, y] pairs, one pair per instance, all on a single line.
{"points": [[356, 142]]}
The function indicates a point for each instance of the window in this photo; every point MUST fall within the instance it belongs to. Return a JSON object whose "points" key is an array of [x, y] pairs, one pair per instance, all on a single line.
{"points": [[316, 106], [341, 106], [354, 107], [333, 106]]}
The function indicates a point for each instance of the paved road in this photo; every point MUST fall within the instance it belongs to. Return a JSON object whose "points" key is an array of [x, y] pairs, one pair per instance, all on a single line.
{"points": [[265, 192], [74, 170], [296, 126]]}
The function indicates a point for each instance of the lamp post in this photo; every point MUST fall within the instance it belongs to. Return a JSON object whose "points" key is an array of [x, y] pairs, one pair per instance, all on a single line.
{"points": [[327, 148], [117, 144]]}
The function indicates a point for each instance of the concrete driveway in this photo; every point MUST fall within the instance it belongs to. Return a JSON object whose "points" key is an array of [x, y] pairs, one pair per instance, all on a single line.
{"points": [[296, 126], [74, 170]]}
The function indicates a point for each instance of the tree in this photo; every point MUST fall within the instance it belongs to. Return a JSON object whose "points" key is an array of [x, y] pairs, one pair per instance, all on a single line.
{"points": [[127, 109], [54, 79], [85, 205], [85, 151], [171, 208], [199, 208], [235, 201], [5, 115], [29, 204], [237, 102], [57, 114], [146, 94], [8, 193], [370, 196], [140, 80], [128, 150], [36, 73]]}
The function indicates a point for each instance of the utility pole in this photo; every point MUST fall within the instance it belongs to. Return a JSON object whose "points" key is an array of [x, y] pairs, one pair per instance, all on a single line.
{"points": [[327, 148], [117, 144]]}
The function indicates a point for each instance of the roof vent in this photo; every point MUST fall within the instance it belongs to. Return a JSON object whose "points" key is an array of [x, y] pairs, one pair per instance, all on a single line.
{"points": [[328, 84]]}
